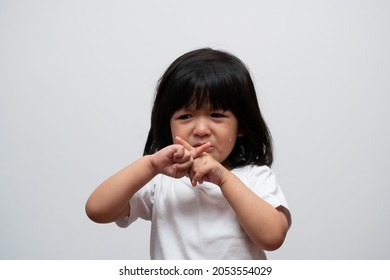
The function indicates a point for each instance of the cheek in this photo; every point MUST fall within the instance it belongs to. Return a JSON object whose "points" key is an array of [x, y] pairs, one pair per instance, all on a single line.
{"points": [[229, 140], [173, 133], [232, 141], [173, 128], [177, 130], [232, 138]]}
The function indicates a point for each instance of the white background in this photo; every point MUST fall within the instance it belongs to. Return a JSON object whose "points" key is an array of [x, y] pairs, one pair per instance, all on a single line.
{"points": [[77, 80]]}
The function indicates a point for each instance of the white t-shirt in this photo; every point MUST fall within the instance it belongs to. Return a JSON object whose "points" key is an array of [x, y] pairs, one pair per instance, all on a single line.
{"points": [[197, 222]]}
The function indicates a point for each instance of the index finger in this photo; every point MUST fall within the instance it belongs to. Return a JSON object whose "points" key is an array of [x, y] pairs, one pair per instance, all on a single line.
{"points": [[184, 143], [195, 152]]}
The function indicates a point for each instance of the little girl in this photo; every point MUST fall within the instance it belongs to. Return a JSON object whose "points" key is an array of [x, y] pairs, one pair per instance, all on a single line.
{"points": [[204, 181]]}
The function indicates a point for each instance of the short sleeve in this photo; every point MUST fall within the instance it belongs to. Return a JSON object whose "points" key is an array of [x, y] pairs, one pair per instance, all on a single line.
{"points": [[141, 206], [262, 180]]}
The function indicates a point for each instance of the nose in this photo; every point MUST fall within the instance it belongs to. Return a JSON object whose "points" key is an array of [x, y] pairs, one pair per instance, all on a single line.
{"points": [[202, 127]]}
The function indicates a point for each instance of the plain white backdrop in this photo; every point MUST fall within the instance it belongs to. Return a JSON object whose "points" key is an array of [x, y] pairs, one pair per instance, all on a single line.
{"points": [[77, 80]]}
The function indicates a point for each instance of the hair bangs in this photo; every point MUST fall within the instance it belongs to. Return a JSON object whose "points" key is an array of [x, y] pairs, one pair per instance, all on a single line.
{"points": [[206, 87]]}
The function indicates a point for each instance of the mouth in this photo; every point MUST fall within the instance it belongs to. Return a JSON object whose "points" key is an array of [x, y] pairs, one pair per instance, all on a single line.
{"points": [[208, 150], [199, 144]]}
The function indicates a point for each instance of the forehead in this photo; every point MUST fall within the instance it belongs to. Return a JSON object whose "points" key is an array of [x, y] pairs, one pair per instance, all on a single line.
{"points": [[206, 99], [193, 107]]}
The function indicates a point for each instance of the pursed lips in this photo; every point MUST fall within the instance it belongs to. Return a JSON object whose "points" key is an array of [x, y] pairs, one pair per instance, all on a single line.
{"points": [[202, 143]]}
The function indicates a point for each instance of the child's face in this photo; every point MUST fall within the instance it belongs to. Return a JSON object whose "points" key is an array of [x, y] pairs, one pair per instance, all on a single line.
{"points": [[198, 126]]}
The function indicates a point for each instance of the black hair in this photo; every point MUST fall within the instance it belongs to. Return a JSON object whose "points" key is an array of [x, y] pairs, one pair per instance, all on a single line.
{"points": [[220, 79]]}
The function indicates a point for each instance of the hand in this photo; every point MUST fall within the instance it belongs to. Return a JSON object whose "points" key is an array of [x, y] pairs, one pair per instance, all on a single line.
{"points": [[176, 160], [204, 167]]}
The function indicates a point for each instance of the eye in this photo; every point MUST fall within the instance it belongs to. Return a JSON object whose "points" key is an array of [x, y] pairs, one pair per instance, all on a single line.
{"points": [[217, 115], [184, 117]]}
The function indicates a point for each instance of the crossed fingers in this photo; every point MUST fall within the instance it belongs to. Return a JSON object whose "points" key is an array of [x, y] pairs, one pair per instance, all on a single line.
{"points": [[195, 152]]}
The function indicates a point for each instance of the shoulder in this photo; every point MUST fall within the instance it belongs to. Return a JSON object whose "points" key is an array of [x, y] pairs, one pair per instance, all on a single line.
{"points": [[253, 171], [257, 177]]}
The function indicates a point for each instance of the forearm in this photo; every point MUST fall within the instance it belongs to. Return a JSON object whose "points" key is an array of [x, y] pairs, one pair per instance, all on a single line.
{"points": [[264, 224], [111, 198]]}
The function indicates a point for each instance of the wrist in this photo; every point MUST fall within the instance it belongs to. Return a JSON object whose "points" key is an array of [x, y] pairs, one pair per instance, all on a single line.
{"points": [[226, 178], [222, 175], [151, 165]]}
